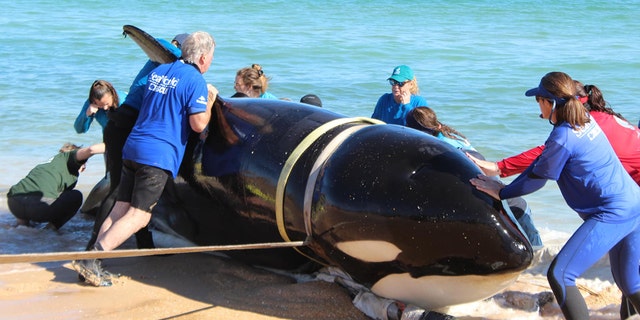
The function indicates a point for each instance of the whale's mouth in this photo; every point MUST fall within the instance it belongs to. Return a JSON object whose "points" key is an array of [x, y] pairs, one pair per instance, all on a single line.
{"points": [[507, 211]]}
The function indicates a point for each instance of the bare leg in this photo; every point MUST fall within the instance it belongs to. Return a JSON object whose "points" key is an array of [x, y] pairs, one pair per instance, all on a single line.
{"points": [[123, 228], [118, 211]]}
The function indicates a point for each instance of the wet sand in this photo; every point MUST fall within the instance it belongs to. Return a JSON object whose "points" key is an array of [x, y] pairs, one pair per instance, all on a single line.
{"points": [[189, 286], [204, 286]]}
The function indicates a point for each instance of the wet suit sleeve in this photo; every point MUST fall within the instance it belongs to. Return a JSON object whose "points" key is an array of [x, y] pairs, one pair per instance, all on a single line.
{"points": [[83, 122], [518, 163], [73, 164], [527, 182]]}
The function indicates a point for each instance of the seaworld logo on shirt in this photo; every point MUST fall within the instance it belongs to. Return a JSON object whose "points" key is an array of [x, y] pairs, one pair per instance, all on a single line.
{"points": [[202, 100], [161, 83], [591, 129]]}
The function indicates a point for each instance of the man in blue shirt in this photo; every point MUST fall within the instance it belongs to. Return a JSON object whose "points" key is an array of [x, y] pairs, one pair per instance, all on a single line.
{"points": [[116, 131], [177, 100]]}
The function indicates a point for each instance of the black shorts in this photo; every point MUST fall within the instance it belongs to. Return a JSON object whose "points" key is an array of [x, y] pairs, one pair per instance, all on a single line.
{"points": [[141, 185]]}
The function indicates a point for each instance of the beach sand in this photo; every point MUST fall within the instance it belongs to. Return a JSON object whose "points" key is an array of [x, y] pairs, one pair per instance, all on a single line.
{"points": [[188, 286], [205, 286], [208, 286]]}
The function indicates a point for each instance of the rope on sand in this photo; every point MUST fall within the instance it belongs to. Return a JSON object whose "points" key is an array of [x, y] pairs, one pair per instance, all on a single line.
{"points": [[79, 255], [582, 287], [587, 289]]}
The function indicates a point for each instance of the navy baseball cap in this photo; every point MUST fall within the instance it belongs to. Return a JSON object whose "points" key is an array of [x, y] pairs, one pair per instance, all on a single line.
{"points": [[180, 39]]}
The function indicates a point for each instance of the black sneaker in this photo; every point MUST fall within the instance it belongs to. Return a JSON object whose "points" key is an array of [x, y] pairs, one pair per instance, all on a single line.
{"points": [[92, 272], [107, 275]]}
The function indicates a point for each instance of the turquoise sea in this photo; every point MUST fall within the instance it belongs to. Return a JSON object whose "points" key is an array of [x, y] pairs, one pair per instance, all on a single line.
{"points": [[473, 60]]}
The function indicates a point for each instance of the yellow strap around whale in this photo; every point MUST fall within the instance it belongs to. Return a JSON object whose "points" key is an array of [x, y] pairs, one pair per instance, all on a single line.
{"points": [[295, 156]]}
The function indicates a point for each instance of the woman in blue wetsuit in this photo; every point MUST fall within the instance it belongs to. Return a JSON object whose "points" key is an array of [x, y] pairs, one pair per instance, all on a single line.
{"points": [[393, 107], [594, 183]]}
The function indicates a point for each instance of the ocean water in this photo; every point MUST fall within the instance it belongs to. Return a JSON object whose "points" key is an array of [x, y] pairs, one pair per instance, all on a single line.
{"points": [[473, 61]]}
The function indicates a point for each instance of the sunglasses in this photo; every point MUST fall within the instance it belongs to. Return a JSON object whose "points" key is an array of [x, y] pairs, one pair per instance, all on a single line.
{"points": [[539, 98], [396, 83]]}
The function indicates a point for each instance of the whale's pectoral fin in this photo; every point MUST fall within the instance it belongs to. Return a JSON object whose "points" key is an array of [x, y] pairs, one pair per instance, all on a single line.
{"points": [[221, 127], [99, 192]]}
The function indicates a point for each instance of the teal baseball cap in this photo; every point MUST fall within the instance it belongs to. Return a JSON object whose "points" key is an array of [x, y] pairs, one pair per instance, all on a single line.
{"points": [[401, 74]]}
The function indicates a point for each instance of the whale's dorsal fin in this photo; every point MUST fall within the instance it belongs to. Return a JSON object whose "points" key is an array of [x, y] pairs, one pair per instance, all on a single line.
{"points": [[154, 49]]}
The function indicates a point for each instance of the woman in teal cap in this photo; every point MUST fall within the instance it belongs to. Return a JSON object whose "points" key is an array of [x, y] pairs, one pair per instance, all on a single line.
{"points": [[393, 107]]}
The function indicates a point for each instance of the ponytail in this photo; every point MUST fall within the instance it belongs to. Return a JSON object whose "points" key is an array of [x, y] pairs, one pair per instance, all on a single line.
{"points": [[596, 101]]}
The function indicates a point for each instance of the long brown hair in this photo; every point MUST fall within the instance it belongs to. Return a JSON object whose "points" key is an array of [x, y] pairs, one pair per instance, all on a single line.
{"points": [[101, 87], [595, 100], [425, 119]]}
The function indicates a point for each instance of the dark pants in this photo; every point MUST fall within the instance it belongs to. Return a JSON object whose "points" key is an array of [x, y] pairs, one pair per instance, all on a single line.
{"points": [[115, 135], [33, 207]]}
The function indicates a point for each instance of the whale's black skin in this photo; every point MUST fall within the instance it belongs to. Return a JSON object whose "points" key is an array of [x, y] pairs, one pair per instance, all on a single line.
{"points": [[384, 187]]}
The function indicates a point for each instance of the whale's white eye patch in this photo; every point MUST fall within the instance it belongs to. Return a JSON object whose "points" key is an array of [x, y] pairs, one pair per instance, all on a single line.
{"points": [[370, 250]]}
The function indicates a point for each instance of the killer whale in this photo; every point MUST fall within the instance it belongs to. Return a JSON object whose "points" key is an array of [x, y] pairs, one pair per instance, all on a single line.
{"points": [[389, 205]]}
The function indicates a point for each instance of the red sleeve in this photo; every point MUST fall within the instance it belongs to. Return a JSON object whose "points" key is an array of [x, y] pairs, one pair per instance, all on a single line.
{"points": [[517, 164]]}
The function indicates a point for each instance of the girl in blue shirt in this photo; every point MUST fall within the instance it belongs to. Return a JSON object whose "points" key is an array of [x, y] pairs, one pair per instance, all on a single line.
{"points": [[594, 183], [102, 97]]}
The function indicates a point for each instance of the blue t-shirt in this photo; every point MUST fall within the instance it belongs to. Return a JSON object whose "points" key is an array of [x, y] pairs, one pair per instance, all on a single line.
{"points": [[391, 112], [268, 95], [137, 89], [83, 122], [173, 93], [592, 180]]}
